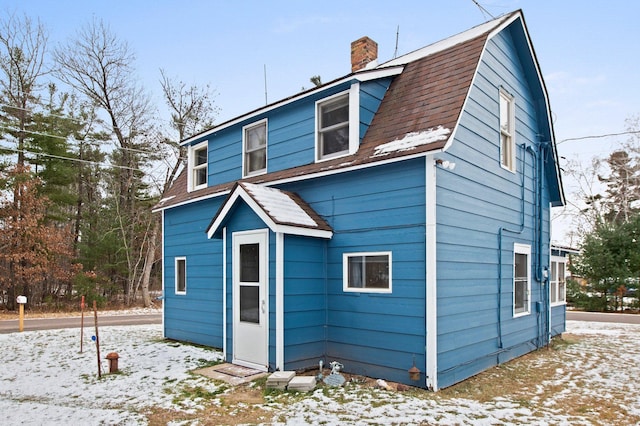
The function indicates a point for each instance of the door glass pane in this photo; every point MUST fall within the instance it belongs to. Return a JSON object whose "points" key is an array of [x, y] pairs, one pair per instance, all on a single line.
{"points": [[249, 263], [250, 304]]}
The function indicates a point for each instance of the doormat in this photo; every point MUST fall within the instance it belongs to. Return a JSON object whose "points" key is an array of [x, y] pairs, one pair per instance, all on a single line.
{"points": [[237, 371]]}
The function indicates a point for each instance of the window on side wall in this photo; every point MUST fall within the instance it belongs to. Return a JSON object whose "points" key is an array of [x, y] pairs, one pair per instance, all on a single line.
{"points": [[521, 279], [367, 272], [507, 132], [181, 275], [255, 149], [333, 127], [558, 281], [198, 166]]}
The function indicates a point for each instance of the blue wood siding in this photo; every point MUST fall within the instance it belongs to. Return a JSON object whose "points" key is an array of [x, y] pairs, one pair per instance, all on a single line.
{"points": [[291, 133], [305, 306], [480, 216], [197, 315], [379, 209]]}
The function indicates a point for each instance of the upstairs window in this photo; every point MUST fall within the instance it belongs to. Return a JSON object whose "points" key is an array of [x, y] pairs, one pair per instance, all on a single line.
{"points": [[521, 280], [507, 129], [367, 272], [255, 149], [333, 127], [198, 163]]}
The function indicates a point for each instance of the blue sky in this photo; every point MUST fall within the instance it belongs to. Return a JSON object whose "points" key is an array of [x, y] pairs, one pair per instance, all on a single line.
{"points": [[588, 50]]}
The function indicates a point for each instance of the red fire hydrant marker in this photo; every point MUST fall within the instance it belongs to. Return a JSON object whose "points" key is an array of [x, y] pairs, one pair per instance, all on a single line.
{"points": [[113, 361]]}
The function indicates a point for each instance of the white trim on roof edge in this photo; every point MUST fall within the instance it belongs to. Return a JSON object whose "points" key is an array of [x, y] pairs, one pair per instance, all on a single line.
{"points": [[365, 75], [302, 177], [240, 192]]}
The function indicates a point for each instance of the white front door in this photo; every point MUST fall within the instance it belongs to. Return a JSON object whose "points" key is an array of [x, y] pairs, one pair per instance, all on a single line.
{"points": [[250, 299]]}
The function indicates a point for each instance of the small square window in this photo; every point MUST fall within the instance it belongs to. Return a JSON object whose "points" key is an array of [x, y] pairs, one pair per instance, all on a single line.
{"points": [[181, 275], [255, 149], [369, 272], [333, 127], [507, 129]]}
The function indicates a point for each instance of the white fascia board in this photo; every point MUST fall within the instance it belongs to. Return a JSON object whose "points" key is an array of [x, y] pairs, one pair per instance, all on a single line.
{"points": [[303, 177], [258, 210], [193, 200], [305, 232], [386, 71], [240, 193]]}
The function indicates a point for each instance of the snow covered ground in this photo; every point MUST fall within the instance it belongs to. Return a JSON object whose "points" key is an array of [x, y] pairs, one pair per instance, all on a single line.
{"points": [[45, 380]]}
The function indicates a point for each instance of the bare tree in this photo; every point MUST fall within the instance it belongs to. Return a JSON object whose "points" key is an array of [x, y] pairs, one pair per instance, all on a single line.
{"points": [[192, 110], [99, 65], [23, 46]]}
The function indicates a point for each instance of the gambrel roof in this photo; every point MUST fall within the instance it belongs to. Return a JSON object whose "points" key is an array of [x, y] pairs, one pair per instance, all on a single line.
{"points": [[418, 114]]}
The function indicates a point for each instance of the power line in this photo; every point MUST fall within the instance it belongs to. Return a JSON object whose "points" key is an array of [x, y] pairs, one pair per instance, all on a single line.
{"points": [[631, 132], [79, 160], [72, 140]]}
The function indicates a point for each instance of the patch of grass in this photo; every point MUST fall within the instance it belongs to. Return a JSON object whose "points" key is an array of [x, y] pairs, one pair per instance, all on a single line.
{"points": [[198, 393]]}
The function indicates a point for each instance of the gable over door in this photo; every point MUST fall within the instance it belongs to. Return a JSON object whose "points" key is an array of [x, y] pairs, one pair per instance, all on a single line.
{"points": [[250, 298]]}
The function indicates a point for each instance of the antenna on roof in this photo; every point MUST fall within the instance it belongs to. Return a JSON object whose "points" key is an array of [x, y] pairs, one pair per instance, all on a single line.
{"points": [[484, 11], [266, 102], [395, 52]]}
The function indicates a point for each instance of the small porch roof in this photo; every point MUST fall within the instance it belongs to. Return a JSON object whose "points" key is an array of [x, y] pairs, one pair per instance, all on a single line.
{"points": [[282, 211]]}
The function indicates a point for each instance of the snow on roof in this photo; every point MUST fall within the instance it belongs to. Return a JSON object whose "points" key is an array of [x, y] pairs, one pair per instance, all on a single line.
{"points": [[279, 205], [413, 140]]}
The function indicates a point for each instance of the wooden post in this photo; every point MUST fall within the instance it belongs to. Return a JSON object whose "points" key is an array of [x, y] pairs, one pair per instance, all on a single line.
{"points": [[21, 320], [21, 301], [95, 319], [81, 322]]}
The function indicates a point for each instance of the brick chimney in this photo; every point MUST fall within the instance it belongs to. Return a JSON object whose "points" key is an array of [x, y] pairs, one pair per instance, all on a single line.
{"points": [[363, 51]]}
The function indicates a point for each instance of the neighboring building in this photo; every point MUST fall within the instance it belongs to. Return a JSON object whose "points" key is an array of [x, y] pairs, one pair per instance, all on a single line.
{"points": [[332, 225]]}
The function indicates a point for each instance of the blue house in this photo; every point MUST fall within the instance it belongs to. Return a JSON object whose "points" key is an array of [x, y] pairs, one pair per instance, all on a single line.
{"points": [[397, 216]]}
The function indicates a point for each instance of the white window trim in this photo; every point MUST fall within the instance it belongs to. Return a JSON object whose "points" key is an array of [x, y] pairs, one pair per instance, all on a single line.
{"points": [[354, 123], [522, 249], [345, 272], [558, 260], [175, 274], [244, 148], [511, 166], [191, 166]]}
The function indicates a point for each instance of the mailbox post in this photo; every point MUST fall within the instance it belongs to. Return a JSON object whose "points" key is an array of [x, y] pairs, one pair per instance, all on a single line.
{"points": [[21, 302]]}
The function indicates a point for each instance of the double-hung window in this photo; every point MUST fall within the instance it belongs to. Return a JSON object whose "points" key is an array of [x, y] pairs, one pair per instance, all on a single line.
{"points": [[521, 279], [507, 131], [181, 275], [255, 149], [198, 162], [367, 272], [557, 283], [333, 127]]}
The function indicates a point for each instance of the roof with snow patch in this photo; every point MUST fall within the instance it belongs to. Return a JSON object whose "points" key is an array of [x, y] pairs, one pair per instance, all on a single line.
{"points": [[282, 211], [418, 114]]}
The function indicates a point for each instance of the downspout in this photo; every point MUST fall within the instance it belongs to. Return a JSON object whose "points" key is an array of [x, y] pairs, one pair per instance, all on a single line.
{"points": [[543, 271], [511, 231]]}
